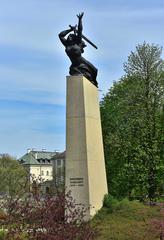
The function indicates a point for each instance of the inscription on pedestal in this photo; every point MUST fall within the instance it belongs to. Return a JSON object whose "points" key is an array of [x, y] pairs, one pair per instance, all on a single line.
{"points": [[77, 182]]}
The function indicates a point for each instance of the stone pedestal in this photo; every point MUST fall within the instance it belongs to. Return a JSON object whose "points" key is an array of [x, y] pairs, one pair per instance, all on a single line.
{"points": [[85, 166]]}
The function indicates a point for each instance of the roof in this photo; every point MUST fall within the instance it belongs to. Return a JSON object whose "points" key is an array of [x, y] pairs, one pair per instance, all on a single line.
{"points": [[59, 155], [37, 158]]}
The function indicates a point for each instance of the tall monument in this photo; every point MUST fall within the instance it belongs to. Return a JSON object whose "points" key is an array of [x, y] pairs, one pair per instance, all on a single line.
{"points": [[85, 172]]}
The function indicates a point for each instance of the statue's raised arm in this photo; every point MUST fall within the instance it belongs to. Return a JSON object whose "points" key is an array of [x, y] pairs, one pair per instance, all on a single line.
{"points": [[74, 47], [80, 25]]}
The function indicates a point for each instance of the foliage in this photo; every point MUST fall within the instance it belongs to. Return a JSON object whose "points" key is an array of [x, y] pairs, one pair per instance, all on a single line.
{"points": [[46, 218], [2, 234], [110, 202], [132, 115], [13, 177], [113, 204]]}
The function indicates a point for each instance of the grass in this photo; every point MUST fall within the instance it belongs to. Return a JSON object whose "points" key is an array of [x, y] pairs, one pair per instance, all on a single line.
{"points": [[126, 221]]}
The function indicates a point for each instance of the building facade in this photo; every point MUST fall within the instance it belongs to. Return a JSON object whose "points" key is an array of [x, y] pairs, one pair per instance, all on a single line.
{"points": [[44, 167], [38, 164], [58, 163]]}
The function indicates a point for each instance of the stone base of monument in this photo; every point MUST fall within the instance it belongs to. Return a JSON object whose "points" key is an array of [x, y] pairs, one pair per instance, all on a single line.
{"points": [[85, 172]]}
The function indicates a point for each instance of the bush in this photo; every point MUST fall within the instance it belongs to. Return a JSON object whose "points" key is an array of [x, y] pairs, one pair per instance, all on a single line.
{"points": [[49, 218], [113, 204], [123, 204], [2, 234], [110, 202]]}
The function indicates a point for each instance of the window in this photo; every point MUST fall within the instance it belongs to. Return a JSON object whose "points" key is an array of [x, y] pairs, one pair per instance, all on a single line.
{"points": [[47, 190], [47, 173], [42, 173], [58, 162]]}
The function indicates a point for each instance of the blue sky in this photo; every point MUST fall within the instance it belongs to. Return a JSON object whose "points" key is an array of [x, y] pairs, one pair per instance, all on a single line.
{"points": [[33, 64]]}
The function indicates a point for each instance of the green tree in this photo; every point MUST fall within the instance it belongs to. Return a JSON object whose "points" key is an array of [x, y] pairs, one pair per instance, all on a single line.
{"points": [[131, 122], [13, 177]]}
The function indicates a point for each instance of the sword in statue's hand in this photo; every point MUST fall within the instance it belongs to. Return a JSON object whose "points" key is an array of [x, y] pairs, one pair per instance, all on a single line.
{"points": [[85, 38]]}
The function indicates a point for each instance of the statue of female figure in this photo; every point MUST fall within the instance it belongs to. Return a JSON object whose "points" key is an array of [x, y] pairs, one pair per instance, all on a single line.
{"points": [[74, 47]]}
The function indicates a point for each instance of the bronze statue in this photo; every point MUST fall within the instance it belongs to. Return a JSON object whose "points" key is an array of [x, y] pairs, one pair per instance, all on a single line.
{"points": [[74, 47]]}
